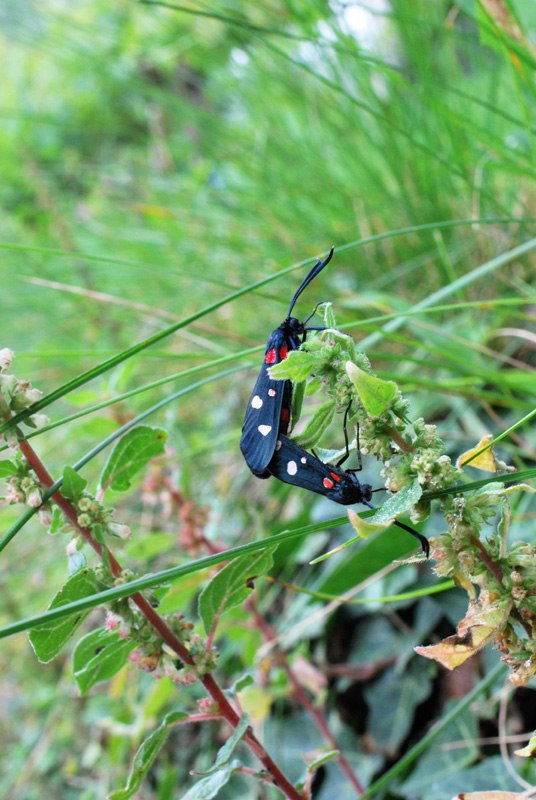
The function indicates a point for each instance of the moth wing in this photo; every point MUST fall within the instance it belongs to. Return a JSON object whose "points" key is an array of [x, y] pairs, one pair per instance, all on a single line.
{"points": [[268, 411], [292, 464]]}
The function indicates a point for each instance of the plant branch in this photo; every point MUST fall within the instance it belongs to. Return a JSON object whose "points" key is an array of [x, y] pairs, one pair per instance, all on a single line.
{"points": [[227, 711]]}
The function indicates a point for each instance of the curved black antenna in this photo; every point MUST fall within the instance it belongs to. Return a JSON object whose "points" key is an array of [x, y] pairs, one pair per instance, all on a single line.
{"points": [[425, 544], [313, 272]]}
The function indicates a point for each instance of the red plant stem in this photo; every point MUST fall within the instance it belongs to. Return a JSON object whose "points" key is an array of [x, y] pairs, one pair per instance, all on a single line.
{"points": [[306, 702], [226, 709]]}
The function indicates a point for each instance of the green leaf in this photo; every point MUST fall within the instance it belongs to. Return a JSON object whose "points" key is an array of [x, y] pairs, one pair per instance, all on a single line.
{"points": [[225, 752], [297, 366], [145, 756], [313, 386], [99, 656], [232, 585], [399, 503], [319, 422], [57, 521], [73, 484], [298, 393], [76, 561], [529, 751], [322, 759], [207, 788], [7, 469], [329, 316], [132, 452], [48, 640], [239, 684], [375, 394]]}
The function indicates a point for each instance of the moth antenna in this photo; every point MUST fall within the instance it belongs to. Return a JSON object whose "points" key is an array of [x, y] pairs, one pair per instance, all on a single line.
{"points": [[313, 272]]}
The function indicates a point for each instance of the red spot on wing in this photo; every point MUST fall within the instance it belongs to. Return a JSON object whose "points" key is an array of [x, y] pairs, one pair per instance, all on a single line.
{"points": [[285, 414], [335, 476], [270, 356], [283, 352], [327, 483]]}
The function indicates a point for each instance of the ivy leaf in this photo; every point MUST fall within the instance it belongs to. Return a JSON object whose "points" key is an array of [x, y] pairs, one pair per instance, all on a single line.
{"points": [[319, 422], [73, 484], [98, 656], [297, 366], [145, 756], [131, 453], [47, 640], [232, 585], [375, 394]]}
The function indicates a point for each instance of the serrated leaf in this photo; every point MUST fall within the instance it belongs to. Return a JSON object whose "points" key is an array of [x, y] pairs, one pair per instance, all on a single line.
{"points": [[229, 587], [47, 640], [375, 394], [131, 453], [297, 366], [225, 752], [7, 469], [317, 425], [145, 756], [73, 484], [207, 788], [99, 656]]}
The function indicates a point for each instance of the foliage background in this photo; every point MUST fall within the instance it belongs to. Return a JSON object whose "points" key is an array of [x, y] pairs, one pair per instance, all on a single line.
{"points": [[153, 160]]}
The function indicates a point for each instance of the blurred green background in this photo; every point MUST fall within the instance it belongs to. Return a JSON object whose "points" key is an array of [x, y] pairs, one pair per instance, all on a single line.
{"points": [[155, 159]]}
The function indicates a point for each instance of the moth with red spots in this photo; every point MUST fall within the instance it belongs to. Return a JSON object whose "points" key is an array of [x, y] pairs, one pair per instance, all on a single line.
{"points": [[292, 464], [269, 408]]}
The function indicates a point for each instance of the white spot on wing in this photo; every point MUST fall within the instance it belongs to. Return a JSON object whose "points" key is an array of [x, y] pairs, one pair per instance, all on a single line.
{"points": [[271, 392], [292, 468], [303, 460], [264, 429], [256, 401], [278, 445]]}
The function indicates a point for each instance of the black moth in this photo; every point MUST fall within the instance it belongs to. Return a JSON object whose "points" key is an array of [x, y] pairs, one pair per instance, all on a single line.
{"points": [[292, 464], [268, 411]]}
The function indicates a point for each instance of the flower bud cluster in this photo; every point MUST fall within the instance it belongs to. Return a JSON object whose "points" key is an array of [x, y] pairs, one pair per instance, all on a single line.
{"points": [[24, 487], [153, 658], [501, 583], [17, 395], [92, 513]]}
